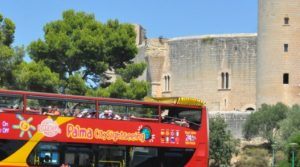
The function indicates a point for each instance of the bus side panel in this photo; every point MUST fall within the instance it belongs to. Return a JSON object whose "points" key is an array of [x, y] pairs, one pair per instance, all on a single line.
{"points": [[201, 155]]}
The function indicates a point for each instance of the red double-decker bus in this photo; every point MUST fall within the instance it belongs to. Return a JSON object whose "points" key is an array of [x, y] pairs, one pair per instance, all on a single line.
{"points": [[43, 129]]}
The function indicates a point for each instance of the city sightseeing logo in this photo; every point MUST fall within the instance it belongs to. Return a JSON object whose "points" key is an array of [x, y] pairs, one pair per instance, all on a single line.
{"points": [[49, 128], [24, 126], [147, 131]]}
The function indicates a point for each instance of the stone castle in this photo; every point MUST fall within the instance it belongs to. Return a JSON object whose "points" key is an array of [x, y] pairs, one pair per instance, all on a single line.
{"points": [[231, 72]]}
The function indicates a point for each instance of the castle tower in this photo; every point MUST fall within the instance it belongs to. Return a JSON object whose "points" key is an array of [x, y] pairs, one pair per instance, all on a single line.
{"points": [[278, 52]]}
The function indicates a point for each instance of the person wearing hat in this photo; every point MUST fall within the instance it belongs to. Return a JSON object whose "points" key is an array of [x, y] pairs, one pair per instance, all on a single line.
{"points": [[91, 113], [104, 114]]}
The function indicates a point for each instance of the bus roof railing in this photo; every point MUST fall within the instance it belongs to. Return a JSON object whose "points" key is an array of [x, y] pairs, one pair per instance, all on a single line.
{"points": [[182, 101]]}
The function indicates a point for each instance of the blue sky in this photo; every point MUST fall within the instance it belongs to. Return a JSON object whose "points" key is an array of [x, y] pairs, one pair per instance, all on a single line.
{"points": [[167, 18]]}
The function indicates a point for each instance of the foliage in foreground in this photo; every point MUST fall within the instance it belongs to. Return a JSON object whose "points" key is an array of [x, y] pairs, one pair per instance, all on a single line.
{"points": [[280, 125], [76, 56], [120, 89], [10, 56], [264, 122], [222, 145], [36, 77], [84, 52], [79, 42]]}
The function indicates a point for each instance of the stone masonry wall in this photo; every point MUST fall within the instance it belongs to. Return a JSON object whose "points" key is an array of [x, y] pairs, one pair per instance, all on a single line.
{"points": [[272, 60], [196, 65], [235, 121]]}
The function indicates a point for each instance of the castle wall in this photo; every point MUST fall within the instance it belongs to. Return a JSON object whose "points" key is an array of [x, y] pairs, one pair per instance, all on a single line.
{"points": [[272, 61], [196, 65], [235, 121], [154, 52]]}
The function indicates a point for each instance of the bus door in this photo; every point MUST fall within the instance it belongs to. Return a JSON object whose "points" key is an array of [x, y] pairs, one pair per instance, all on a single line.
{"points": [[111, 156], [144, 157], [78, 156], [45, 154]]}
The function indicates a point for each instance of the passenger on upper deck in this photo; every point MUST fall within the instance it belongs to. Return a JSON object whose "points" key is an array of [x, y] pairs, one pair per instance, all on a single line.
{"points": [[183, 122], [52, 111], [77, 113], [104, 114], [114, 116], [91, 113], [108, 114], [16, 106], [67, 113], [87, 113]]}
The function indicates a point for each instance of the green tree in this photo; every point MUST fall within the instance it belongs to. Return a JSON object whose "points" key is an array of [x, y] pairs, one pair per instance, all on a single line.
{"points": [[294, 138], [290, 133], [287, 149], [264, 122], [121, 89], [9, 56], [138, 89], [36, 77], [100, 92], [131, 71], [222, 145], [80, 43], [76, 85], [290, 125], [82, 51]]}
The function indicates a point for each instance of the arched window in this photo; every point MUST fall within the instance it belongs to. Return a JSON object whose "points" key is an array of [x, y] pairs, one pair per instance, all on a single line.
{"points": [[250, 109], [167, 82], [225, 80]]}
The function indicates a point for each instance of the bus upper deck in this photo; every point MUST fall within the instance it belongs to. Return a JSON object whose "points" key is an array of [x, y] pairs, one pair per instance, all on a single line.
{"points": [[178, 112], [36, 118]]}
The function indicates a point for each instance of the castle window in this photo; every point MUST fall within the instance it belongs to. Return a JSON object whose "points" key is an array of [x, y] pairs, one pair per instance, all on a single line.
{"points": [[286, 78], [286, 20], [167, 82], [286, 47], [225, 80]]}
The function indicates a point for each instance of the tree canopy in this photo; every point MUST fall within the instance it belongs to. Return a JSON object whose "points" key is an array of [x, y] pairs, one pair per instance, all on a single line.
{"points": [[290, 133], [280, 125], [120, 89], [7, 30], [9, 56], [131, 71], [290, 125], [36, 77], [78, 42], [264, 122], [84, 52], [222, 145]]}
